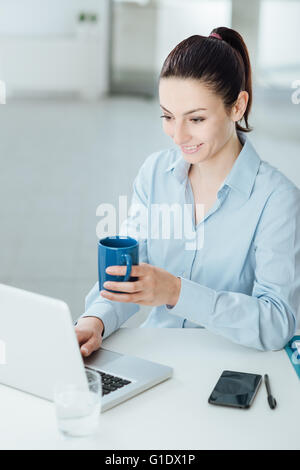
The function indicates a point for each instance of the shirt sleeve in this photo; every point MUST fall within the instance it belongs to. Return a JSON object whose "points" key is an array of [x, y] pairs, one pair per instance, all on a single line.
{"points": [[267, 319], [114, 314]]}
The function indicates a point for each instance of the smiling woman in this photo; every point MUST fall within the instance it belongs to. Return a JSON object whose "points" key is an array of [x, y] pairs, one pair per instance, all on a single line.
{"points": [[240, 277]]}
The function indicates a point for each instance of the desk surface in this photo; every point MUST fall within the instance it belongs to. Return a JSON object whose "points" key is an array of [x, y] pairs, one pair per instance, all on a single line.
{"points": [[174, 414]]}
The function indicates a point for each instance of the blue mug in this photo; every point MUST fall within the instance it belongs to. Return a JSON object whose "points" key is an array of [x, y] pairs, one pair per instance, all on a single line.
{"points": [[117, 251]]}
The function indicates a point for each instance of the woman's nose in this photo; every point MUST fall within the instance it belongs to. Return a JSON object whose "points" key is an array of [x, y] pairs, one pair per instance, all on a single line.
{"points": [[180, 136]]}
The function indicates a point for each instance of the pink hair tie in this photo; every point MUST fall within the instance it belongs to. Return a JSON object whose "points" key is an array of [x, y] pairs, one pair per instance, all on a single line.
{"points": [[215, 35]]}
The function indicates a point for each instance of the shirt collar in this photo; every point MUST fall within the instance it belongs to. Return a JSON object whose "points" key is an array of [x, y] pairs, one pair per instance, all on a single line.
{"points": [[241, 176]]}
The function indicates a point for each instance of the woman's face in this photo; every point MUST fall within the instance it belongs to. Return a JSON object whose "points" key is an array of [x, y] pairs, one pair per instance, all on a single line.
{"points": [[200, 134]]}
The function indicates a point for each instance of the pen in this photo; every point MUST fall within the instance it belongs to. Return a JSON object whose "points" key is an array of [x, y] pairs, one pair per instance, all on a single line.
{"points": [[271, 399]]}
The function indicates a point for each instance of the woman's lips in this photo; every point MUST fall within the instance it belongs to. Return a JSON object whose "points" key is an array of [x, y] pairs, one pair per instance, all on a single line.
{"points": [[190, 148]]}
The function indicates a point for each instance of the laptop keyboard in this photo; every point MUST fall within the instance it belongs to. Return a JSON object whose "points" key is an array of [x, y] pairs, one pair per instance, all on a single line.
{"points": [[110, 383]]}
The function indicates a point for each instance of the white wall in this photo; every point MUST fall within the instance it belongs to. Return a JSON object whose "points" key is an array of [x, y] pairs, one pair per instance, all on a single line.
{"points": [[134, 36], [43, 17], [41, 52], [279, 33]]}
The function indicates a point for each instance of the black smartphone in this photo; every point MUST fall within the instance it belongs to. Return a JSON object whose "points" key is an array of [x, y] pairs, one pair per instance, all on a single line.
{"points": [[237, 389]]}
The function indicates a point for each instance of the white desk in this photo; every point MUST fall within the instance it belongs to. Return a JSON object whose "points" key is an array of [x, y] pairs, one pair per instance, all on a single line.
{"points": [[174, 414]]}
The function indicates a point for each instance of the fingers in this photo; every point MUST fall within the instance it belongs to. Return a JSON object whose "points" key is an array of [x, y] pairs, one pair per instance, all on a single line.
{"points": [[134, 298], [89, 339], [136, 286], [137, 270], [90, 346], [83, 335]]}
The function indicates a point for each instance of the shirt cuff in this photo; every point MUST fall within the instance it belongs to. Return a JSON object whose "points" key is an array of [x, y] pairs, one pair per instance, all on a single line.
{"points": [[195, 302], [104, 313]]}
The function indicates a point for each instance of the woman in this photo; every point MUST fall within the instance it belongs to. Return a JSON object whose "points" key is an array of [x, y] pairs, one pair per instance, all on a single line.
{"points": [[241, 278]]}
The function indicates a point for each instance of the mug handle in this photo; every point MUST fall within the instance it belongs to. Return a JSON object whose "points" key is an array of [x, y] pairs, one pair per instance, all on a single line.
{"points": [[129, 266]]}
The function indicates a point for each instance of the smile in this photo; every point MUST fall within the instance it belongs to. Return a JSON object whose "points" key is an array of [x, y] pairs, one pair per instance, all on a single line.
{"points": [[190, 148]]}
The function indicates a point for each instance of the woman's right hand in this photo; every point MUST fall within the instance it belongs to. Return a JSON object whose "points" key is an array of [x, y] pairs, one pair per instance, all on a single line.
{"points": [[89, 334]]}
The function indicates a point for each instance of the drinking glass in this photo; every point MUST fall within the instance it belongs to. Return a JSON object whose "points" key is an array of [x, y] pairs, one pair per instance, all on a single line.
{"points": [[78, 406]]}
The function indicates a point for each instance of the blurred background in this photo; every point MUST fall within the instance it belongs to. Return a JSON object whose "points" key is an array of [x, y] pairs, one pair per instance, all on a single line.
{"points": [[82, 114]]}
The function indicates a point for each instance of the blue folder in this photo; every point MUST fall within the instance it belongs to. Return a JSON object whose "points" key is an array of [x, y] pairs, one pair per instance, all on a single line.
{"points": [[293, 354]]}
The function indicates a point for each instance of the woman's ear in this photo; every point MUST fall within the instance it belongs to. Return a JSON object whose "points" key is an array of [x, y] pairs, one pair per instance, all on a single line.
{"points": [[240, 106]]}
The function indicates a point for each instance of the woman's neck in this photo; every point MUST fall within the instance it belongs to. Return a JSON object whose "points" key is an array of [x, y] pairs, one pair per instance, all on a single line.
{"points": [[211, 173]]}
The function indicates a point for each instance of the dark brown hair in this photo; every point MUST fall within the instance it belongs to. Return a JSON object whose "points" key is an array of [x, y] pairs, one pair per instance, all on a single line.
{"points": [[221, 64]]}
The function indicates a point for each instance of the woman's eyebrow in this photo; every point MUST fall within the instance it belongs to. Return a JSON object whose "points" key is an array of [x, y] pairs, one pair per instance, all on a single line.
{"points": [[184, 114]]}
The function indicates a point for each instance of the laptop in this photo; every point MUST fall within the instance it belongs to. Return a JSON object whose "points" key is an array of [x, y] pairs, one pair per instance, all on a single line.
{"points": [[41, 350]]}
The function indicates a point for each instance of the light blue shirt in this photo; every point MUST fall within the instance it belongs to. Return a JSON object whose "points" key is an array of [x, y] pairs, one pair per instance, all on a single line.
{"points": [[243, 280]]}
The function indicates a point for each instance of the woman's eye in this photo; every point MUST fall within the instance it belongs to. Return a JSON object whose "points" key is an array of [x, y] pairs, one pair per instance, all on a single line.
{"points": [[197, 119], [193, 119], [166, 117]]}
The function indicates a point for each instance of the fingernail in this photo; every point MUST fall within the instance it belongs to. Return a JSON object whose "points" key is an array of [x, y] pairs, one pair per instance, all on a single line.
{"points": [[84, 350]]}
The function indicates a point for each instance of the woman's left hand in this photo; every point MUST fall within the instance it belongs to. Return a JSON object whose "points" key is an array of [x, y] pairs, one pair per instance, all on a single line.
{"points": [[155, 286]]}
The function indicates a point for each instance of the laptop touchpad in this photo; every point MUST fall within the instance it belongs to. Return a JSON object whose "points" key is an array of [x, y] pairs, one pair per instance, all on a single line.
{"points": [[101, 357]]}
